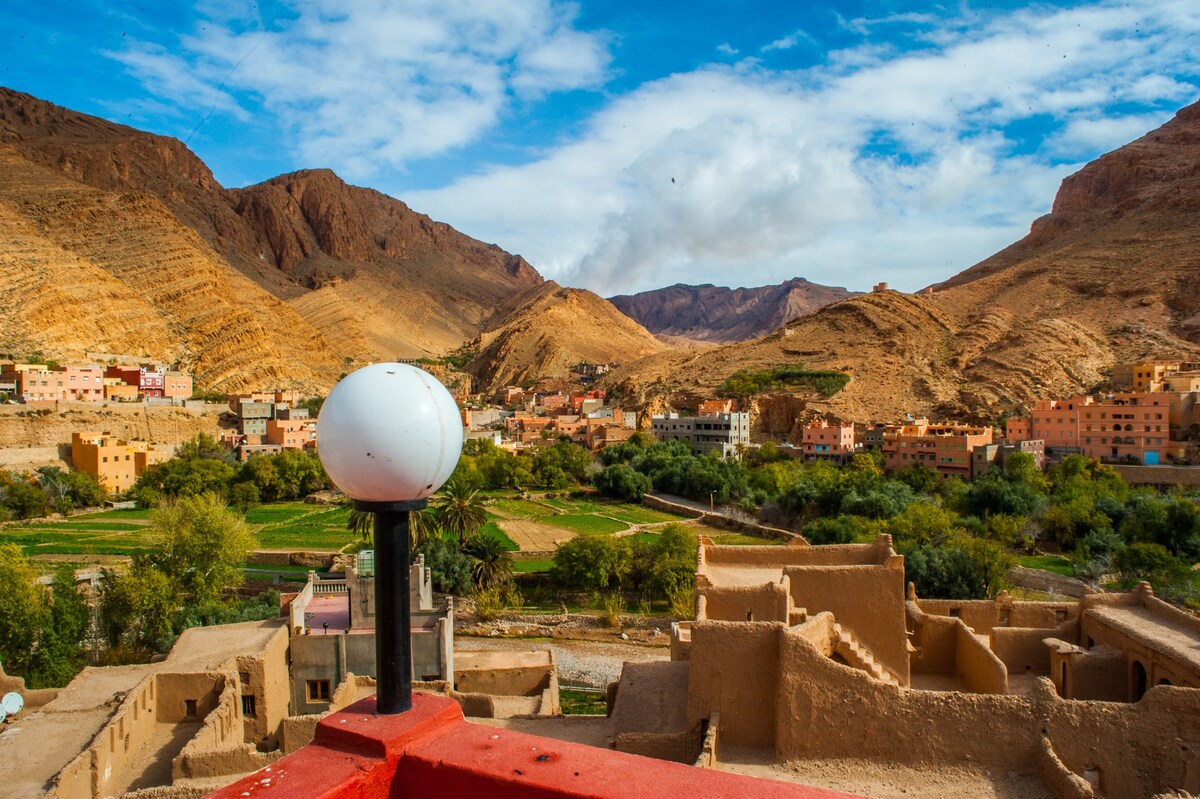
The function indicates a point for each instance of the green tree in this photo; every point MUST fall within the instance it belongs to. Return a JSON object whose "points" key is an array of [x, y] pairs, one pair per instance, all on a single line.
{"points": [[205, 447], [622, 481], [592, 562], [492, 564], [449, 566], [920, 478], [1151, 562], [24, 612], [137, 611], [459, 510], [26, 500], [260, 471], [60, 655], [300, 473], [182, 477], [200, 546]]}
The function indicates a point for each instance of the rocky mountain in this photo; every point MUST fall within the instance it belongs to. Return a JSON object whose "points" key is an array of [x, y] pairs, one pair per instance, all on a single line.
{"points": [[1112, 273], [118, 240], [542, 332], [719, 315]]}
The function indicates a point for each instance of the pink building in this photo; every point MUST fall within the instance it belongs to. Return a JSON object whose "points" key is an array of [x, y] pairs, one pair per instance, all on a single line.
{"points": [[945, 447], [1124, 425], [39, 383], [822, 440], [177, 385]]}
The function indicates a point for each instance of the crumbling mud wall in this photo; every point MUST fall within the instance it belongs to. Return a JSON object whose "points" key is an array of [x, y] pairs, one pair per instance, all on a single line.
{"points": [[976, 665], [264, 675], [218, 747]]}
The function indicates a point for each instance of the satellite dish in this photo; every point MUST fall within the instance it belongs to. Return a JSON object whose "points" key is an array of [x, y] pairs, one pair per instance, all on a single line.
{"points": [[11, 704]]}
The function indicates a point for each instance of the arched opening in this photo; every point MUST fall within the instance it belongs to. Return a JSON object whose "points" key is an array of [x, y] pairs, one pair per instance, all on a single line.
{"points": [[1164, 681], [1139, 680]]}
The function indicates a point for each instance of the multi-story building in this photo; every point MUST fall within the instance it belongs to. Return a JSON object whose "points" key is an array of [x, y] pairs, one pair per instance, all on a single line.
{"points": [[115, 464], [945, 447], [177, 385], [290, 433], [1126, 425], [823, 441], [117, 390], [41, 383], [722, 433]]}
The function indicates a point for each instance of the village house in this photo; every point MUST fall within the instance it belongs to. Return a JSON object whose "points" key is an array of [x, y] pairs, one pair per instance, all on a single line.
{"points": [[823, 441], [723, 433], [1127, 425], [945, 447], [41, 383], [115, 464]]}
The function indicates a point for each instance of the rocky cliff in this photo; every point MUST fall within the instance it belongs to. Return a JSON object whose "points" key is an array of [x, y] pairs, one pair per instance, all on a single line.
{"points": [[715, 314], [1112, 273], [288, 281]]}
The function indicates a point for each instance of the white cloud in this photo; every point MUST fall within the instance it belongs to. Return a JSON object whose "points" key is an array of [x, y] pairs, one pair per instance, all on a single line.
{"points": [[725, 48], [374, 83], [878, 165]]}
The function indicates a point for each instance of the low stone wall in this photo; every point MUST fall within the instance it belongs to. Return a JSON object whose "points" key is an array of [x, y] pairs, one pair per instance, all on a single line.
{"points": [[1160, 475], [723, 522]]}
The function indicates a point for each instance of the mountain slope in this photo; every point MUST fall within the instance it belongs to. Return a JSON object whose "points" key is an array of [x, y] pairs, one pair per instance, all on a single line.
{"points": [[719, 315], [541, 333], [402, 284], [1112, 273]]}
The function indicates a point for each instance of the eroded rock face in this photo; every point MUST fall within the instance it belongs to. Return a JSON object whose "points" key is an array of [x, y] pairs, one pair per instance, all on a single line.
{"points": [[239, 269], [720, 315]]}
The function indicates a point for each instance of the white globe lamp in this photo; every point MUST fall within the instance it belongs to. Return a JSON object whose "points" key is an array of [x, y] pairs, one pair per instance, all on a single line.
{"points": [[389, 435]]}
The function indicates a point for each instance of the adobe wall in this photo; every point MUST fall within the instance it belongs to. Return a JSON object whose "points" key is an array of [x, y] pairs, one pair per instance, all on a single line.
{"points": [[935, 640], [513, 681], [794, 555], [1139, 749], [866, 600], [1098, 673], [734, 670], [976, 665], [297, 732], [982, 615], [767, 602], [270, 685], [218, 748], [1022, 649]]}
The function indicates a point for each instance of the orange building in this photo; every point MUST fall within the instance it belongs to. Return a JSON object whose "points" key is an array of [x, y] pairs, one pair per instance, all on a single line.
{"points": [[944, 447], [177, 385], [115, 464], [37, 382], [290, 433], [821, 440], [715, 407]]}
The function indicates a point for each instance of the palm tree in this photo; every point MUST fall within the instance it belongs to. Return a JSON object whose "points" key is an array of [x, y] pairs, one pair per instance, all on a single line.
{"points": [[421, 525], [459, 510], [363, 523], [493, 563]]}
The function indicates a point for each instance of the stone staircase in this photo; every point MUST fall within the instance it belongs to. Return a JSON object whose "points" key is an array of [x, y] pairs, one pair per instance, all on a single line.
{"points": [[859, 657]]}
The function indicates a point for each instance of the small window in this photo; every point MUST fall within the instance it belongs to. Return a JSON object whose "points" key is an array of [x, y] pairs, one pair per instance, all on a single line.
{"points": [[189, 708], [248, 706], [954, 612], [318, 690]]}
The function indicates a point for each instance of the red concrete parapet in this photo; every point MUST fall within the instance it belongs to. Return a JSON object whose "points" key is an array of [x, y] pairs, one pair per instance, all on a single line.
{"points": [[433, 751]]}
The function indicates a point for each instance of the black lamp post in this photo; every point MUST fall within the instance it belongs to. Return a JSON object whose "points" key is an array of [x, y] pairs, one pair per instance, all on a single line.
{"points": [[389, 435]]}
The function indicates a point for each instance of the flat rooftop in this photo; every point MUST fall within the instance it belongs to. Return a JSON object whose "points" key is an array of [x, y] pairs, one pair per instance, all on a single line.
{"points": [[1155, 630]]}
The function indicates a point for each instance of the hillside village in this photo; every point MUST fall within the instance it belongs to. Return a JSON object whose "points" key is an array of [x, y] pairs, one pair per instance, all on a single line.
{"points": [[789, 541]]}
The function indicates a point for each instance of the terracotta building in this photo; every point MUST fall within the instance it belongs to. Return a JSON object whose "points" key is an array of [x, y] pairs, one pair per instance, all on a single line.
{"points": [[115, 464], [823, 441], [945, 447], [1128, 425], [40, 383]]}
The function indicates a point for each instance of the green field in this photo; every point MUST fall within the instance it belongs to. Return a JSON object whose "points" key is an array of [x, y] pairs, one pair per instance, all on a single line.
{"points": [[586, 524], [1049, 563], [523, 566]]}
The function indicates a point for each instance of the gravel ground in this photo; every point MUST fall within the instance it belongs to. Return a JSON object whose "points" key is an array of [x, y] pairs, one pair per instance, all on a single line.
{"points": [[591, 663]]}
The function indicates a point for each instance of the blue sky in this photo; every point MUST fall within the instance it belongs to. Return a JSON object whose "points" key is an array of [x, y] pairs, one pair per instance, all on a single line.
{"points": [[621, 146]]}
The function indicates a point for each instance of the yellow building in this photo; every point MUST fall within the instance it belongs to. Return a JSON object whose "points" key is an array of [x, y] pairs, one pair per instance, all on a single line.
{"points": [[115, 464]]}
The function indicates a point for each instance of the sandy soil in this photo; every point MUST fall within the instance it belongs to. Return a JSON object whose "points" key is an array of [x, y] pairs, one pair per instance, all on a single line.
{"points": [[533, 536], [888, 780]]}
